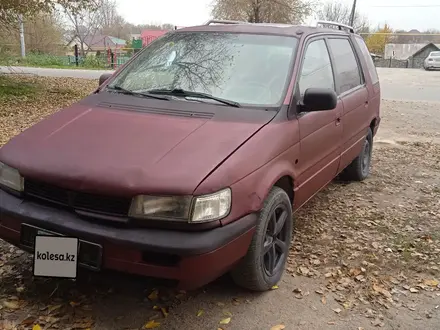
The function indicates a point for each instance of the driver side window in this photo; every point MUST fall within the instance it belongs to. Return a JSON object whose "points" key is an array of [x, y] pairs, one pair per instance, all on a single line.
{"points": [[317, 69]]}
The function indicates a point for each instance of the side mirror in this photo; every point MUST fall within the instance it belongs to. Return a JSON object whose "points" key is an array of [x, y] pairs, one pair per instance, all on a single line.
{"points": [[319, 99], [104, 77]]}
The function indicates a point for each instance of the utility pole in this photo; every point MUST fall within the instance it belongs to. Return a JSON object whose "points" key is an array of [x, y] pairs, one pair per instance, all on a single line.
{"points": [[22, 45], [353, 13]]}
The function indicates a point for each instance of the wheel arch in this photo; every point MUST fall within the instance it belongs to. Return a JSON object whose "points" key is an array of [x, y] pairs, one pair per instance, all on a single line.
{"points": [[279, 175]]}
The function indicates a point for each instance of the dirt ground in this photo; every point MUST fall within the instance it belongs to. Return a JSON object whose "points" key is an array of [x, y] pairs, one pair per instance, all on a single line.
{"points": [[365, 256]]}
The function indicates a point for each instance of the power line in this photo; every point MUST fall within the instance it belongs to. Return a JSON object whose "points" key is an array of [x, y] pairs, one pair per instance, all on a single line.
{"points": [[405, 6], [401, 34]]}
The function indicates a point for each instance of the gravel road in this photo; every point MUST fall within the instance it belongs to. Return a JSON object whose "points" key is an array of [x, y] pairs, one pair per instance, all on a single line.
{"points": [[365, 256]]}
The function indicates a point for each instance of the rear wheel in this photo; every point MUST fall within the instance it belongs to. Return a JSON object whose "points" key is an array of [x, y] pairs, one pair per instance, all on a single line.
{"points": [[264, 263], [359, 169]]}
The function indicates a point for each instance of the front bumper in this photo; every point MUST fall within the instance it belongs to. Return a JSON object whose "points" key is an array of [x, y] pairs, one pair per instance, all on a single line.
{"points": [[192, 258], [432, 65]]}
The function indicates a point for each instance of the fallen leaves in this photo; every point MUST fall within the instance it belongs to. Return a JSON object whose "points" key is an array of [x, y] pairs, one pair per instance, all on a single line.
{"points": [[337, 310], [377, 323], [367, 241], [164, 311], [52, 308], [225, 321], [154, 295], [431, 282], [11, 304], [382, 291], [152, 325], [278, 327]]}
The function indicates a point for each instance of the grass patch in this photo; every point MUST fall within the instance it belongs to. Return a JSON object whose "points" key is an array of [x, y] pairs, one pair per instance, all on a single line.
{"points": [[55, 61], [11, 88]]}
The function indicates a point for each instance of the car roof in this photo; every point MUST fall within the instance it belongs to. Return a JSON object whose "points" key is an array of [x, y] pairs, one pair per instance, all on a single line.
{"points": [[263, 28]]}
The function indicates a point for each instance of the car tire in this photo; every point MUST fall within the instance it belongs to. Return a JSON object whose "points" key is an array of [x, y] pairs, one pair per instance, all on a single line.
{"points": [[359, 169], [264, 263]]}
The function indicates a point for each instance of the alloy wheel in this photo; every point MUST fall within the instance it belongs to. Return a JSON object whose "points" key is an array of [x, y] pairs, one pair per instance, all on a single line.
{"points": [[276, 245]]}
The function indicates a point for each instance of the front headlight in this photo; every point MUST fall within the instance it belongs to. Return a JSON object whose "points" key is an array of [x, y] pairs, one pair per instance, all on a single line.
{"points": [[164, 208], [10, 178], [211, 207], [182, 208]]}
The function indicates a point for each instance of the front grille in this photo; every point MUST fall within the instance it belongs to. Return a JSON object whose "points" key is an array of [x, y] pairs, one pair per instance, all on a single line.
{"points": [[77, 200]]}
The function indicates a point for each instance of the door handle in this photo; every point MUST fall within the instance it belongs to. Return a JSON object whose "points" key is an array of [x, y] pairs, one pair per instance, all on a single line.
{"points": [[338, 121]]}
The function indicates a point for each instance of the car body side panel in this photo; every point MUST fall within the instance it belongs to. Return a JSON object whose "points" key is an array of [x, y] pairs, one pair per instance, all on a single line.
{"points": [[374, 105], [251, 191], [355, 122], [374, 93], [320, 140]]}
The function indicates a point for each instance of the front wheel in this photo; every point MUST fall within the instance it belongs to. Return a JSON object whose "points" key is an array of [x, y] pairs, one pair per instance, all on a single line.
{"points": [[264, 263]]}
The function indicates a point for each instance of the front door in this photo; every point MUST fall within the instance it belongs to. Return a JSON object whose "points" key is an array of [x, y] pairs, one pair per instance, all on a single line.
{"points": [[320, 132]]}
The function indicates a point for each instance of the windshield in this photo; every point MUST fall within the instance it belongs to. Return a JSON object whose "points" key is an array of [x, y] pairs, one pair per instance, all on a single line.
{"points": [[244, 68], [435, 54]]}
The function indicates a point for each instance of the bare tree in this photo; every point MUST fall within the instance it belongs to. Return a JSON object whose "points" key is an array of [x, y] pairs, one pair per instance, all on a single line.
{"points": [[85, 22], [340, 12], [42, 33], [259, 11], [111, 21]]}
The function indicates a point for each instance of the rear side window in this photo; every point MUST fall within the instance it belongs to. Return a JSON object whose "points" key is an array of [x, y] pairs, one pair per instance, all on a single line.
{"points": [[370, 64], [346, 65]]}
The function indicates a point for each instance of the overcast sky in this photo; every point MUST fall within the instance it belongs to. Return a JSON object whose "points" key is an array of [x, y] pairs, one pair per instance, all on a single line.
{"points": [[194, 12]]}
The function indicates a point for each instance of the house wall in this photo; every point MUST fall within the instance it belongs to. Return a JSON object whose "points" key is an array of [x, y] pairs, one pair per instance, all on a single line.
{"points": [[401, 51]]}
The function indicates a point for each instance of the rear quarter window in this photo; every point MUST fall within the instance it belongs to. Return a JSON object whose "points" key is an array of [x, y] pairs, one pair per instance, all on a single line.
{"points": [[370, 64]]}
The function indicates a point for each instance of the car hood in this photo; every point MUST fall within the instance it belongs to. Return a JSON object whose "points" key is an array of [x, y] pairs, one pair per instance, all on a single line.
{"points": [[113, 148]]}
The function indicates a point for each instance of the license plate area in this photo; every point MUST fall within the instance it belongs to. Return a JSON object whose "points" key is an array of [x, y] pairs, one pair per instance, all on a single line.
{"points": [[89, 254]]}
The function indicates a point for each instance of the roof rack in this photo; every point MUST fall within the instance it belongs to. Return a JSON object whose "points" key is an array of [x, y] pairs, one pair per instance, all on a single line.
{"points": [[220, 21], [339, 25]]}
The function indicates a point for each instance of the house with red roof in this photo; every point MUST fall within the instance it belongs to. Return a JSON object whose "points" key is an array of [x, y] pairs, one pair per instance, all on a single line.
{"points": [[148, 36]]}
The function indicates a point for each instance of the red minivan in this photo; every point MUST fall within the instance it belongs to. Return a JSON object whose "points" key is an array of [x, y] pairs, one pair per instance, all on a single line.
{"points": [[190, 161]]}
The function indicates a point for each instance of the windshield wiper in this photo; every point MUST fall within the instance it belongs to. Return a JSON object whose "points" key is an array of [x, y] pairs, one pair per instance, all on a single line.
{"points": [[185, 93], [122, 90]]}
